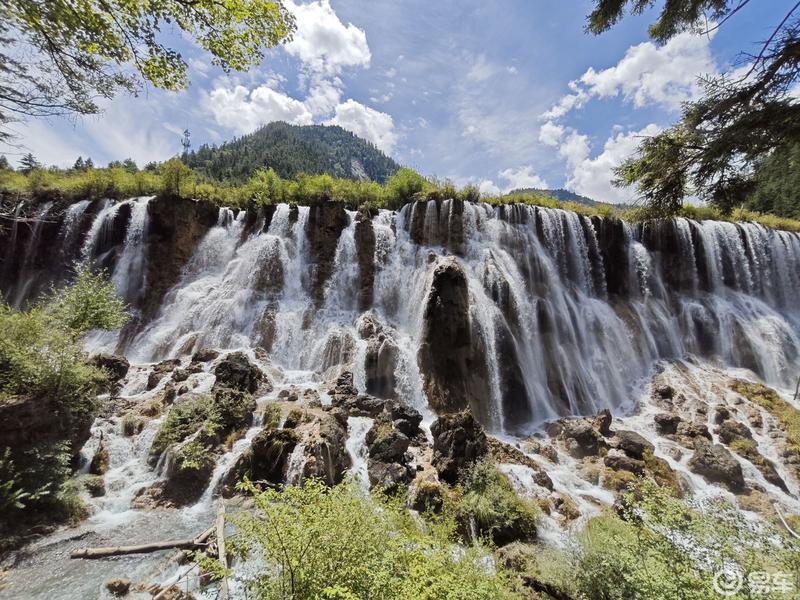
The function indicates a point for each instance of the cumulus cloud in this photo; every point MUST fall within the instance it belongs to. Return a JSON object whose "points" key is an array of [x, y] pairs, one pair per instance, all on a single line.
{"points": [[244, 110], [323, 43], [592, 176], [648, 74], [366, 122], [515, 178], [550, 133]]}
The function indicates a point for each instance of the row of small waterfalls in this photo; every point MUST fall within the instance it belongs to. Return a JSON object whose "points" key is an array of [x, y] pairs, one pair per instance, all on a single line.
{"points": [[521, 312]]}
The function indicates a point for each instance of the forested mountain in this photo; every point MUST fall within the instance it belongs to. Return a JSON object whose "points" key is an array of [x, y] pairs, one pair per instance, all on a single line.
{"points": [[559, 194], [777, 183], [294, 149]]}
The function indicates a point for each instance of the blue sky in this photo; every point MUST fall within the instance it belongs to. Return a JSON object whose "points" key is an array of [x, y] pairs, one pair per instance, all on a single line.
{"points": [[501, 94]]}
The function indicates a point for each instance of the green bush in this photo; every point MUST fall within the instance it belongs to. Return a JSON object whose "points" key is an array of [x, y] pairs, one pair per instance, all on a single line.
{"points": [[42, 361], [181, 421], [486, 505], [667, 548], [320, 542]]}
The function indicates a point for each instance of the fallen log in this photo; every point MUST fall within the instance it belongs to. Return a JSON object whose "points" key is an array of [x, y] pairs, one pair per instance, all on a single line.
{"points": [[221, 549], [93, 553]]}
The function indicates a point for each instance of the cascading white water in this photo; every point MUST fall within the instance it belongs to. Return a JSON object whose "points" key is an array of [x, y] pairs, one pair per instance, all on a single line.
{"points": [[573, 311], [129, 276]]}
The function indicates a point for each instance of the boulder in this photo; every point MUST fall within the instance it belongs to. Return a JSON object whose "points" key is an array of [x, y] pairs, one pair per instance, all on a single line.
{"points": [[327, 457], [204, 355], [159, 370], [602, 422], [114, 365], [99, 464], [666, 423], [621, 462], [265, 460], [730, 430], [633, 444], [664, 392], [387, 476], [581, 438], [717, 465], [237, 372], [404, 418], [386, 444], [458, 441]]}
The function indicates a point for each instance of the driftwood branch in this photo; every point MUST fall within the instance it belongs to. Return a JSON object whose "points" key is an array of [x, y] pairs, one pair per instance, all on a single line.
{"points": [[785, 524], [92, 553], [221, 549]]}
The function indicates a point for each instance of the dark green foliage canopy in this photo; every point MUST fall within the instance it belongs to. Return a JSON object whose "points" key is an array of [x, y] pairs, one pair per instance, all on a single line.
{"points": [[290, 150], [723, 138]]}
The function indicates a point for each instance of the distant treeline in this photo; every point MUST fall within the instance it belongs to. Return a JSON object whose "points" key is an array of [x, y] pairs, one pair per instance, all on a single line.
{"points": [[125, 180]]}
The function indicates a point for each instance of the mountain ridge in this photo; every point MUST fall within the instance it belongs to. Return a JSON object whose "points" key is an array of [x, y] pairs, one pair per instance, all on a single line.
{"points": [[291, 150]]}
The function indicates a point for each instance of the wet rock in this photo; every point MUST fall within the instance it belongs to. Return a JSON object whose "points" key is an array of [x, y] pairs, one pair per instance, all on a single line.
{"points": [[740, 439], [175, 227], [633, 444], [506, 453], [717, 465], [404, 418], [452, 357], [381, 357], [118, 586], [666, 423], [327, 457], [721, 413], [95, 485], [692, 431], [265, 460], [386, 444], [387, 476], [620, 462], [100, 460], [293, 419], [114, 365], [159, 370], [204, 355], [179, 375], [581, 438], [29, 422], [538, 447], [664, 392], [364, 236], [730, 430], [458, 441], [602, 422], [237, 372], [326, 221]]}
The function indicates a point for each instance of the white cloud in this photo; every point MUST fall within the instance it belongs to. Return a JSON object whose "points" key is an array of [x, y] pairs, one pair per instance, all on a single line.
{"points": [[550, 133], [487, 187], [324, 95], [521, 177], [592, 176], [373, 125], [244, 110], [323, 43], [648, 74]]}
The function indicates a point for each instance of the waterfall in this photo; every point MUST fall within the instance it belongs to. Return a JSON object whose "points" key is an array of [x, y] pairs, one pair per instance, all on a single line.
{"points": [[129, 276], [568, 314]]}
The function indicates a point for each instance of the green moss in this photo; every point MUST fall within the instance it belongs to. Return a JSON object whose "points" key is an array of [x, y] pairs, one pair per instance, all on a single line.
{"points": [[660, 471], [131, 425], [272, 416], [786, 414], [618, 480], [181, 421]]}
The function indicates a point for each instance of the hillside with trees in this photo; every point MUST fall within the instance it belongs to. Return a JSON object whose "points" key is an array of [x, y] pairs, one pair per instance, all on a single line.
{"points": [[290, 150]]}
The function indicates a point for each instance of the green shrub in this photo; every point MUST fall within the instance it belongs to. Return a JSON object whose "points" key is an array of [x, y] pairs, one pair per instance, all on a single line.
{"points": [[666, 548], [181, 421], [320, 542], [486, 505]]}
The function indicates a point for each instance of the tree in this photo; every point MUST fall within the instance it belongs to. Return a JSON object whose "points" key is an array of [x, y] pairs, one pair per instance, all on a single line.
{"points": [[4, 164], [79, 164], [60, 56], [173, 174], [739, 121], [89, 164], [130, 165], [29, 163]]}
